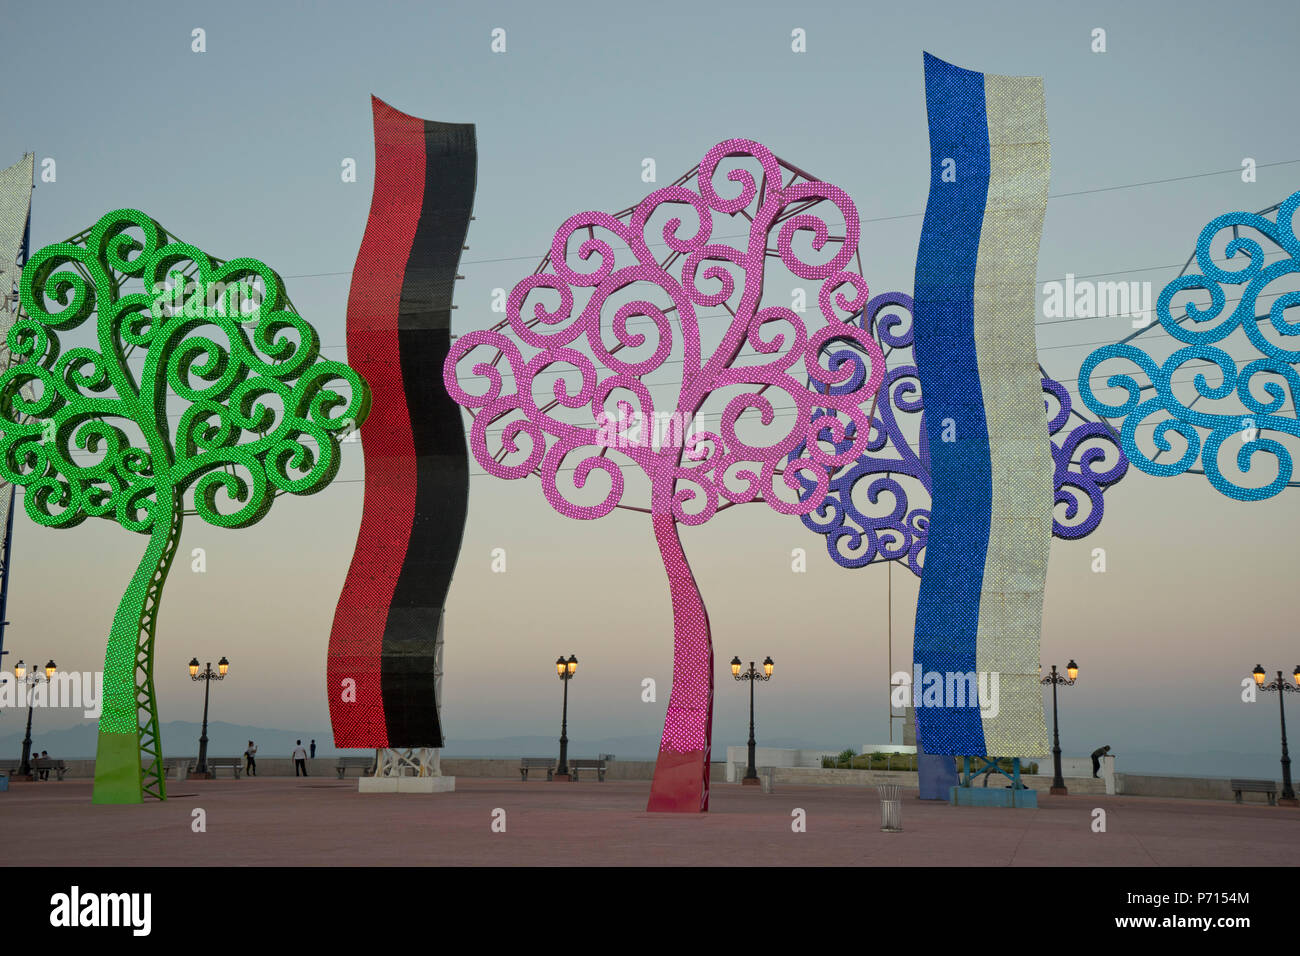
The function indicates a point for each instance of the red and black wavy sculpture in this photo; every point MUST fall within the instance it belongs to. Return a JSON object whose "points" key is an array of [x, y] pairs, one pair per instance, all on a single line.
{"points": [[384, 653]]}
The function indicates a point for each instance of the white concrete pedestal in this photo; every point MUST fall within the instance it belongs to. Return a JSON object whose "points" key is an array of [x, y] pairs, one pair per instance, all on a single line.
{"points": [[406, 784]]}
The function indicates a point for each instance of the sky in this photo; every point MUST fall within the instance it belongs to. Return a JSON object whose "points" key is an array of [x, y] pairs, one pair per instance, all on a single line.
{"points": [[239, 149]]}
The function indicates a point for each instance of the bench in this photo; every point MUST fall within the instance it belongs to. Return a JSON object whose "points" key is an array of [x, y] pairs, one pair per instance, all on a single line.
{"points": [[364, 764], [1255, 786], [232, 763], [36, 765], [598, 765], [41, 768], [179, 765], [537, 763]]}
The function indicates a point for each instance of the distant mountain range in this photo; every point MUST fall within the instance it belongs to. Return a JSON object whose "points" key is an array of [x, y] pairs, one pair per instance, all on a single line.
{"points": [[181, 738]]}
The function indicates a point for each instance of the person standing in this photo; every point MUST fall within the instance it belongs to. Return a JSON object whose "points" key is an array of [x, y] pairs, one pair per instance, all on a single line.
{"points": [[250, 759], [313, 750], [299, 760]]}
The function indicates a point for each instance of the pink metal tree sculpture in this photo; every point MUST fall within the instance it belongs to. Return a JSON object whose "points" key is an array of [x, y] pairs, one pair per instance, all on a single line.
{"points": [[611, 328]]}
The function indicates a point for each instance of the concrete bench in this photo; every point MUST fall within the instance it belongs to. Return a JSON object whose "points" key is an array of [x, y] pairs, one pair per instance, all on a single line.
{"points": [[1254, 786], [598, 765], [41, 768], [181, 766], [364, 764], [537, 763], [226, 763]]}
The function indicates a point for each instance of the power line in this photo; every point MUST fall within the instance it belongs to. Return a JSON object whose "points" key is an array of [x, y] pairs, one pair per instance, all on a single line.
{"points": [[909, 215]]}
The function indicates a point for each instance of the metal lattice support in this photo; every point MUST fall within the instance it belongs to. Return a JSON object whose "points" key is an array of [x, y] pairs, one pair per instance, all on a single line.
{"points": [[990, 767], [153, 776], [411, 762]]}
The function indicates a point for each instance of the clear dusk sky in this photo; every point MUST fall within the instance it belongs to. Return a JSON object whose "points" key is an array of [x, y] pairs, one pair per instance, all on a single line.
{"points": [[239, 150]]}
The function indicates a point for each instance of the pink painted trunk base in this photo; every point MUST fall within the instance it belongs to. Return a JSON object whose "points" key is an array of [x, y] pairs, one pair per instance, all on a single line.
{"points": [[681, 781]]}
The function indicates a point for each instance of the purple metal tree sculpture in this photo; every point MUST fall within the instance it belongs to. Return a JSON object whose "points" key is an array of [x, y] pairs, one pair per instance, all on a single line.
{"points": [[896, 462], [604, 286]]}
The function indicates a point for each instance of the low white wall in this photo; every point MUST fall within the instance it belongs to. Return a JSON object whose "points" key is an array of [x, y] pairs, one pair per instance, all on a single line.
{"points": [[1082, 767], [738, 759]]}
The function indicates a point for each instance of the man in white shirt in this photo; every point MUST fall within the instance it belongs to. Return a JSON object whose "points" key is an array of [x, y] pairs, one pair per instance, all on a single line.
{"points": [[299, 760], [250, 760]]}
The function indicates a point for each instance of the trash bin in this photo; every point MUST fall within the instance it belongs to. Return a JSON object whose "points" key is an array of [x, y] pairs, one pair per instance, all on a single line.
{"points": [[4, 782], [891, 808]]}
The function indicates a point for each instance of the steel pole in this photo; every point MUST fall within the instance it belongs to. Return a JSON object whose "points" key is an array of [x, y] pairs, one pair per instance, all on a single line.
{"points": [[1287, 792], [26, 768], [203, 738], [563, 769], [1058, 781], [751, 772]]}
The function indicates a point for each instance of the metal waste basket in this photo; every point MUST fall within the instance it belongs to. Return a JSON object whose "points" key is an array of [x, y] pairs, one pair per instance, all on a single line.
{"points": [[891, 808]]}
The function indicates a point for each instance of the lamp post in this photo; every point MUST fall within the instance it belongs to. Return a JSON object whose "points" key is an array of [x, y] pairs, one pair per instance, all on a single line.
{"points": [[565, 671], [1283, 688], [22, 677], [207, 676], [751, 675], [1055, 679]]}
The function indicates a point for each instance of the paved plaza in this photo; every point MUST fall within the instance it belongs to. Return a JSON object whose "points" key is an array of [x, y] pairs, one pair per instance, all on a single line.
{"points": [[326, 822]]}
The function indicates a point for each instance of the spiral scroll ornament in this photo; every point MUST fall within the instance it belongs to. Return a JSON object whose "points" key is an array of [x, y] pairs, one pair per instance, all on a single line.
{"points": [[877, 507], [1244, 406]]}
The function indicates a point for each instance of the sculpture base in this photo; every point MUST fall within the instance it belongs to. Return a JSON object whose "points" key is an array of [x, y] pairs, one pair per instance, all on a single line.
{"points": [[1288, 802], [680, 783], [1059, 791], [206, 775], [990, 797], [406, 784], [751, 782], [117, 769], [561, 776]]}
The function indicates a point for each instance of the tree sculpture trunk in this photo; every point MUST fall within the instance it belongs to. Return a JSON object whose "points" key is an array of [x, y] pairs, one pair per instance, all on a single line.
{"points": [[128, 759], [681, 781]]}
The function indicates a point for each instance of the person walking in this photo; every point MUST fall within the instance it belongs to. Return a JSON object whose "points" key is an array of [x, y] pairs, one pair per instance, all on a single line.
{"points": [[250, 759], [313, 750], [299, 760], [1096, 758]]}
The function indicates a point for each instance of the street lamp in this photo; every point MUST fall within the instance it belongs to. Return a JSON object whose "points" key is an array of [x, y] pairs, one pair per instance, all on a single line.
{"points": [[1283, 688], [207, 675], [751, 675], [565, 671], [1054, 678], [22, 677]]}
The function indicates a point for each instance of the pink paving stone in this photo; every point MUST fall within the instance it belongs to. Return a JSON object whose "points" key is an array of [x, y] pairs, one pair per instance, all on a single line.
{"points": [[280, 821]]}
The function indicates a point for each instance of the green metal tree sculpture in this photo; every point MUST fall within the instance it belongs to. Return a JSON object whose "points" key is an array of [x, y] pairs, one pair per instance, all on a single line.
{"points": [[85, 429]]}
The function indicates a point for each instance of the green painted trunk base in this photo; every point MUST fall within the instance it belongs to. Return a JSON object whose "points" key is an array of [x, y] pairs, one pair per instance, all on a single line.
{"points": [[117, 769]]}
